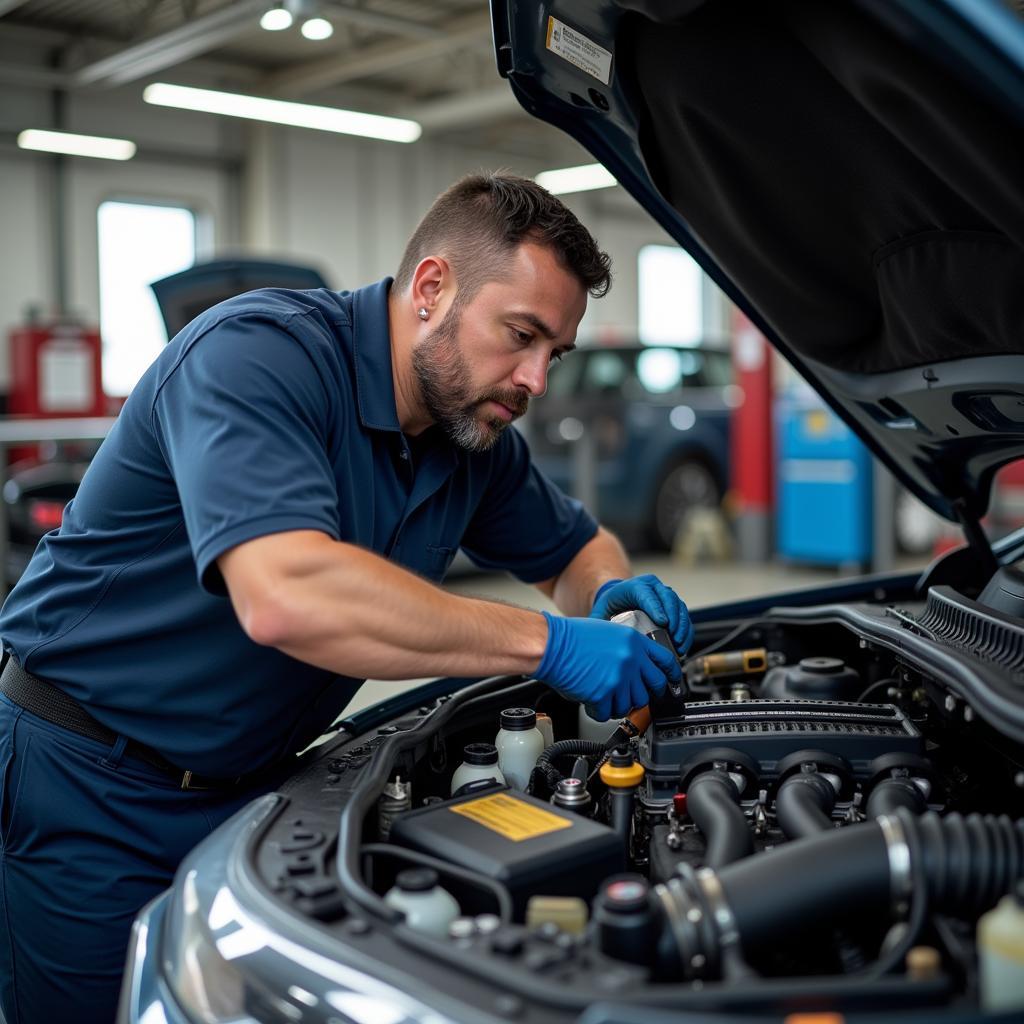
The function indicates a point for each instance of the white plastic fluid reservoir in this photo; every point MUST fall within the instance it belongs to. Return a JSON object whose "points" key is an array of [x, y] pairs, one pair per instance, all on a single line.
{"points": [[547, 728], [591, 729], [479, 761], [519, 744], [427, 907], [1001, 953]]}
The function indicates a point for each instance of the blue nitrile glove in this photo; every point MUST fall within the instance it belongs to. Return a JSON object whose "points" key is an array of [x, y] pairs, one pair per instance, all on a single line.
{"points": [[648, 594], [609, 667]]}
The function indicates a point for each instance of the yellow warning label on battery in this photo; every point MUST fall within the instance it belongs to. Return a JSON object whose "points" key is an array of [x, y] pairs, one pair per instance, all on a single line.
{"points": [[510, 817]]}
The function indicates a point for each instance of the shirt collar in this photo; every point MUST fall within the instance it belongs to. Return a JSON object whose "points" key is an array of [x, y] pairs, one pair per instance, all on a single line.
{"points": [[375, 385], [371, 346]]}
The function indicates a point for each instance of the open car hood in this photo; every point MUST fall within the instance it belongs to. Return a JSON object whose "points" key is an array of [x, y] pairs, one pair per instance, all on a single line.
{"points": [[850, 173]]}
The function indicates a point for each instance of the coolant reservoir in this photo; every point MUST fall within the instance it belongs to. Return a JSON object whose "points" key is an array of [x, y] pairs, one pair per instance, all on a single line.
{"points": [[519, 744], [1001, 953], [479, 761], [427, 907]]}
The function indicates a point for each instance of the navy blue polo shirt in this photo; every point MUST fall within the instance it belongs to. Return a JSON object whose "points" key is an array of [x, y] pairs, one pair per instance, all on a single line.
{"points": [[272, 411]]}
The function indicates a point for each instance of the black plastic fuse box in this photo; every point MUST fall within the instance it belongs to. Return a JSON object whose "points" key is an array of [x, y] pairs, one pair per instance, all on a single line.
{"points": [[525, 843]]}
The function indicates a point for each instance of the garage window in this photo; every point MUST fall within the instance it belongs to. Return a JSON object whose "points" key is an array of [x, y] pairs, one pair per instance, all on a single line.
{"points": [[671, 302], [138, 243]]}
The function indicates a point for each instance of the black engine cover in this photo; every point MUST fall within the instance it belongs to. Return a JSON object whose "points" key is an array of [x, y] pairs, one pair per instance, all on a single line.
{"points": [[769, 730]]}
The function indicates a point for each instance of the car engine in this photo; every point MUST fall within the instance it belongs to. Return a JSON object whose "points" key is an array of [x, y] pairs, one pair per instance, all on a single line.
{"points": [[830, 815]]}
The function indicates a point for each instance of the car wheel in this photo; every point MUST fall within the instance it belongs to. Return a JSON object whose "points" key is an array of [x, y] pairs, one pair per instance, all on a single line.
{"points": [[687, 484]]}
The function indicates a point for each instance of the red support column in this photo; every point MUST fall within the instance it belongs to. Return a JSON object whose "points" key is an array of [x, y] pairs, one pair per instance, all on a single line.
{"points": [[752, 441]]}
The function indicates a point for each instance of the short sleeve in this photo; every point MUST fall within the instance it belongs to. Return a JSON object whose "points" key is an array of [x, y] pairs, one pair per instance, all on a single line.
{"points": [[242, 420], [524, 524]]}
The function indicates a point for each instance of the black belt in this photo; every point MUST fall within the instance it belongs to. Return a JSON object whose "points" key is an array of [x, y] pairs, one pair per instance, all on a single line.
{"points": [[52, 704]]}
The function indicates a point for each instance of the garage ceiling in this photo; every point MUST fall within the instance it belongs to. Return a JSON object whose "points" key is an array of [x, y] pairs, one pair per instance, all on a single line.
{"points": [[431, 62]]}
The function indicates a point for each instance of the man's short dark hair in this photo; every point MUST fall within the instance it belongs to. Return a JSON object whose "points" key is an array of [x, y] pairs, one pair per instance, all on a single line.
{"points": [[478, 223]]}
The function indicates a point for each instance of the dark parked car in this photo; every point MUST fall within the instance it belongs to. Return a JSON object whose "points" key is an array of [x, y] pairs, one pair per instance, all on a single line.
{"points": [[656, 423], [35, 495], [821, 825]]}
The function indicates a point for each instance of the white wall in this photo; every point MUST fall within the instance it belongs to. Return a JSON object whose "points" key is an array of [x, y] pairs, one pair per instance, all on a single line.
{"points": [[350, 205], [26, 277], [622, 229], [25, 240]]}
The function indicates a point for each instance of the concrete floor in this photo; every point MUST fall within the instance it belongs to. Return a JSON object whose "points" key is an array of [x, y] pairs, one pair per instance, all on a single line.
{"points": [[698, 586]]}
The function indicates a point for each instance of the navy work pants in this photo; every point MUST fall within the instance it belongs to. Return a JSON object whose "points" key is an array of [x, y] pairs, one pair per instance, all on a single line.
{"points": [[87, 837]]}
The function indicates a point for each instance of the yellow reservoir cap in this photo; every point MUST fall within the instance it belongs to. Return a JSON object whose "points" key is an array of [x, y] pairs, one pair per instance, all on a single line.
{"points": [[622, 777]]}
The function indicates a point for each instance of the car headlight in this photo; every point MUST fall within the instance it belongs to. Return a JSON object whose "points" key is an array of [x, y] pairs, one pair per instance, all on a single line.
{"points": [[208, 935], [226, 961], [204, 938]]}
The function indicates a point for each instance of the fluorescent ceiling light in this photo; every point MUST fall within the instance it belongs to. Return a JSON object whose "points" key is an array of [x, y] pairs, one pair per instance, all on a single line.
{"points": [[77, 145], [317, 28], [277, 19], [299, 115], [575, 179]]}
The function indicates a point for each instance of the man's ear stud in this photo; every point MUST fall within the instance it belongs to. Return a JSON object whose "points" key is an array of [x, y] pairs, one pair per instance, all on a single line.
{"points": [[422, 313]]}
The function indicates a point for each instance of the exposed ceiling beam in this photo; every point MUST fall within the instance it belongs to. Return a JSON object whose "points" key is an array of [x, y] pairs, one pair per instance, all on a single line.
{"points": [[195, 37], [37, 36], [466, 108], [33, 77], [6, 6], [313, 75], [202, 72], [379, 22]]}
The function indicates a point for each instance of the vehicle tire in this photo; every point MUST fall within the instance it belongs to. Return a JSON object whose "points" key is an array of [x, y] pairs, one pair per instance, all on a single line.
{"points": [[687, 484]]}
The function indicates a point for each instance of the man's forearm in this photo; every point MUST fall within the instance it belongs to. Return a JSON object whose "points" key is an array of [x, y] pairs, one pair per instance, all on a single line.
{"points": [[602, 558], [350, 611]]}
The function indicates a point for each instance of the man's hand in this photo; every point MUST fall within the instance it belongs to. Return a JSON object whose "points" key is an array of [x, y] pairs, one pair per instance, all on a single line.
{"points": [[610, 668], [648, 594]]}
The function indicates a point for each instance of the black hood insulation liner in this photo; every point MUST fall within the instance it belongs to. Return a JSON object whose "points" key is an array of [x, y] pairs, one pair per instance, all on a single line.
{"points": [[897, 241]]}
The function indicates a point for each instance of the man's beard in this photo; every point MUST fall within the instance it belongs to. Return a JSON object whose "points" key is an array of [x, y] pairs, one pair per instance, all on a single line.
{"points": [[443, 379]]}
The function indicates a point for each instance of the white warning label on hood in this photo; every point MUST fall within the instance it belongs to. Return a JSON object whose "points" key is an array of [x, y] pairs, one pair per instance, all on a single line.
{"points": [[577, 49]]}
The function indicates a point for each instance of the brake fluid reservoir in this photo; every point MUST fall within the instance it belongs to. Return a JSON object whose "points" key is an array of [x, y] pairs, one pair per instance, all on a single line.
{"points": [[1001, 953], [519, 744]]}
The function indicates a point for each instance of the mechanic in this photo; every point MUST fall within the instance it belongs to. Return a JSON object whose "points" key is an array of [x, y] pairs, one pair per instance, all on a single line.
{"points": [[261, 531]]}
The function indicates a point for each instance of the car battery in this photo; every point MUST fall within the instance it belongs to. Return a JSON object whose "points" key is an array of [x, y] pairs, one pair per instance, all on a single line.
{"points": [[531, 847]]}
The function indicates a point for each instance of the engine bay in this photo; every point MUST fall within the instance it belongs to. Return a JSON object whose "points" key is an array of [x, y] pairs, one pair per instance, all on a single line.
{"points": [[830, 816]]}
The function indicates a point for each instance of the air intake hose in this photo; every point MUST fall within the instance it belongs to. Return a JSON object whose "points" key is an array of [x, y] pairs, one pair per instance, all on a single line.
{"points": [[804, 805], [961, 865], [712, 801], [891, 794]]}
